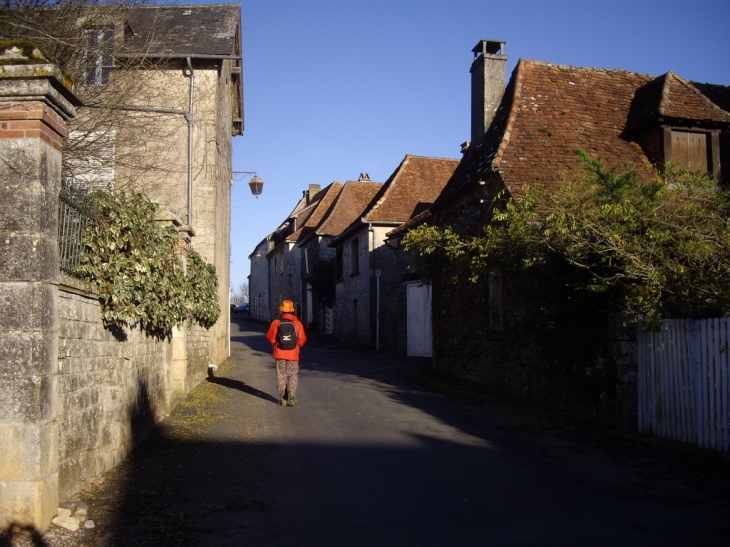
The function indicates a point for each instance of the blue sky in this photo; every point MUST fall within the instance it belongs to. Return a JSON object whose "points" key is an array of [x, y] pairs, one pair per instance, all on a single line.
{"points": [[333, 88]]}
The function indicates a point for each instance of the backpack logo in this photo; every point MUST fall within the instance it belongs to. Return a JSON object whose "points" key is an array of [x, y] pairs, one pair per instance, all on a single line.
{"points": [[286, 335]]}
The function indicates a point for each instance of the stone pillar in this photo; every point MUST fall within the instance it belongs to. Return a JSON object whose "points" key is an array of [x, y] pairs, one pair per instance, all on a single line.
{"points": [[177, 375], [35, 104]]}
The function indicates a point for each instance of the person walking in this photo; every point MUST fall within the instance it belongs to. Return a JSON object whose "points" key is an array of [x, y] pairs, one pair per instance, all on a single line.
{"points": [[286, 335]]}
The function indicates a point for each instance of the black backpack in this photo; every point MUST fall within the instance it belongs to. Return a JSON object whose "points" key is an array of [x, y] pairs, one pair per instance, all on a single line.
{"points": [[286, 335]]}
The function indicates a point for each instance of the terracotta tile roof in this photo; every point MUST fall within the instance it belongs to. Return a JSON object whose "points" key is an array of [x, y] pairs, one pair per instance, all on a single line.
{"points": [[196, 29], [411, 189], [299, 216], [549, 111], [349, 206]]}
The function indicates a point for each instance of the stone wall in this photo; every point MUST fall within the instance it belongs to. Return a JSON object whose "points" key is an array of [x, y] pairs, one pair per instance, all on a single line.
{"points": [[113, 387], [508, 342], [75, 397], [374, 287]]}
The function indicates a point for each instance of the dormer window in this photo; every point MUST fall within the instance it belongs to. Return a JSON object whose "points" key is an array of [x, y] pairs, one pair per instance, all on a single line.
{"points": [[98, 58]]}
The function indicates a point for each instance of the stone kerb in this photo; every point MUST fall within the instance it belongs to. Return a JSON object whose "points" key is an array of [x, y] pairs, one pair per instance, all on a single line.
{"points": [[35, 103]]}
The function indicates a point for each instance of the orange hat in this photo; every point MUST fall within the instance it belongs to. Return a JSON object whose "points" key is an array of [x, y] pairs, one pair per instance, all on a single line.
{"points": [[287, 306]]}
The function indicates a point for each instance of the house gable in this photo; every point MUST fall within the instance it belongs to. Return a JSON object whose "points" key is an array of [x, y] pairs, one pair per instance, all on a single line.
{"points": [[207, 36], [411, 189], [349, 206], [320, 206]]}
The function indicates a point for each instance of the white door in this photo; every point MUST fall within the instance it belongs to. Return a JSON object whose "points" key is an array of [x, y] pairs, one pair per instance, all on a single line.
{"points": [[418, 320]]}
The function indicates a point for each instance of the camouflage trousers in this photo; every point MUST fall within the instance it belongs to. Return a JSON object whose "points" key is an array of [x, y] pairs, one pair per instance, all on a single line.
{"points": [[286, 371]]}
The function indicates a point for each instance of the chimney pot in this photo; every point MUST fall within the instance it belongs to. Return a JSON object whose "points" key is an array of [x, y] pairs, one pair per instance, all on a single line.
{"points": [[488, 75]]}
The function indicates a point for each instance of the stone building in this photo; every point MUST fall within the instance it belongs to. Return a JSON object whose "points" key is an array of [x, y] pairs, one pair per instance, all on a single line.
{"points": [[285, 259], [367, 280], [195, 66], [77, 397], [528, 133], [258, 281], [350, 203], [316, 256]]}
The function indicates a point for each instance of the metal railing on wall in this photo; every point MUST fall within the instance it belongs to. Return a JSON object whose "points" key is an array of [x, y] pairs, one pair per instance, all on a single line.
{"points": [[74, 212]]}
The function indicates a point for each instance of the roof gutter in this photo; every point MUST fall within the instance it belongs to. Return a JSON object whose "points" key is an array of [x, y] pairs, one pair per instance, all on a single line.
{"points": [[178, 56]]}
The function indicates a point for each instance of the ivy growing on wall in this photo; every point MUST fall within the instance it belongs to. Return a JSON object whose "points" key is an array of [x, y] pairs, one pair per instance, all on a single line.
{"points": [[131, 260]]}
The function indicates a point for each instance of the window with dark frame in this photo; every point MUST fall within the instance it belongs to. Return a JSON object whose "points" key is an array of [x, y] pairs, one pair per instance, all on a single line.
{"points": [[98, 58]]}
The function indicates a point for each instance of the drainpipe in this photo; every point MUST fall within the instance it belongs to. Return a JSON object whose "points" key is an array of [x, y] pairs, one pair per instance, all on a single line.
{"points": [[190, 143], [188, 115], [229, 321]]}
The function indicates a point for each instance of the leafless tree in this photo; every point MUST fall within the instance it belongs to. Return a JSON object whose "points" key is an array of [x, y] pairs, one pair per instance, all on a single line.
{"points": [[239, 294], [120, 135]]}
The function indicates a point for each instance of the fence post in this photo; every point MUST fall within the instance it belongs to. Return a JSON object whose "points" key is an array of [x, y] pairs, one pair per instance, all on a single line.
{"points": [[34, 107]]}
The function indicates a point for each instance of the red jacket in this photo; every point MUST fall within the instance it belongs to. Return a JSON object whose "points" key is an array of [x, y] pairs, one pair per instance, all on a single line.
{"points": [[288, 354]]}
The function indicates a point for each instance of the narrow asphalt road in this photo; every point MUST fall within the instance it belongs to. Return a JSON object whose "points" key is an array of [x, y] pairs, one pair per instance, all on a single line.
{"points": [[370, 458], [367, 459]]}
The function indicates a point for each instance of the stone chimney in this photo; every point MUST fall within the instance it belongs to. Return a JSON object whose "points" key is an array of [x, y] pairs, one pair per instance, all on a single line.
{"points": [[488, 75], [313, 190]]}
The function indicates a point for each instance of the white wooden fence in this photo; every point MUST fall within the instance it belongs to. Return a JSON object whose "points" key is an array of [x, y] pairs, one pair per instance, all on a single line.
{"points": [[684, 373]]}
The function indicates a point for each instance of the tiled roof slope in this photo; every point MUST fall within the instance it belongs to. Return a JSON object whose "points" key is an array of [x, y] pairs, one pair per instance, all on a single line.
{"points": [[718, 94], [549, 111], [312, 215], [195, 29], [349, 206], [411, 189]]}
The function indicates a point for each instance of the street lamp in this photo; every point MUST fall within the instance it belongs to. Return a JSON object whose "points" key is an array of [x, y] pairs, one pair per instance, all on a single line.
{"points": [[256, 184]]}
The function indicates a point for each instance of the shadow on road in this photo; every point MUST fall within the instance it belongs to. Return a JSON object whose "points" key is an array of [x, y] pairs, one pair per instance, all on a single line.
{"points": [[241, 386], [429, 487]]}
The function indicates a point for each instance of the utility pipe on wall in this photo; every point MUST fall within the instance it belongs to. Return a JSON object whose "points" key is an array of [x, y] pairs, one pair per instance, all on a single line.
{"points": [[190, 143]]}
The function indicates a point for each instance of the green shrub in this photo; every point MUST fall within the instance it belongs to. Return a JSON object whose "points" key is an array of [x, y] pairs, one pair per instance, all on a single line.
{"points": [[131, 260]]}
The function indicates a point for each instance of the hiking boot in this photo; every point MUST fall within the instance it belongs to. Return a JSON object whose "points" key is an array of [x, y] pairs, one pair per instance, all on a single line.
{"points": [[293, 399], [282, 402]]}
